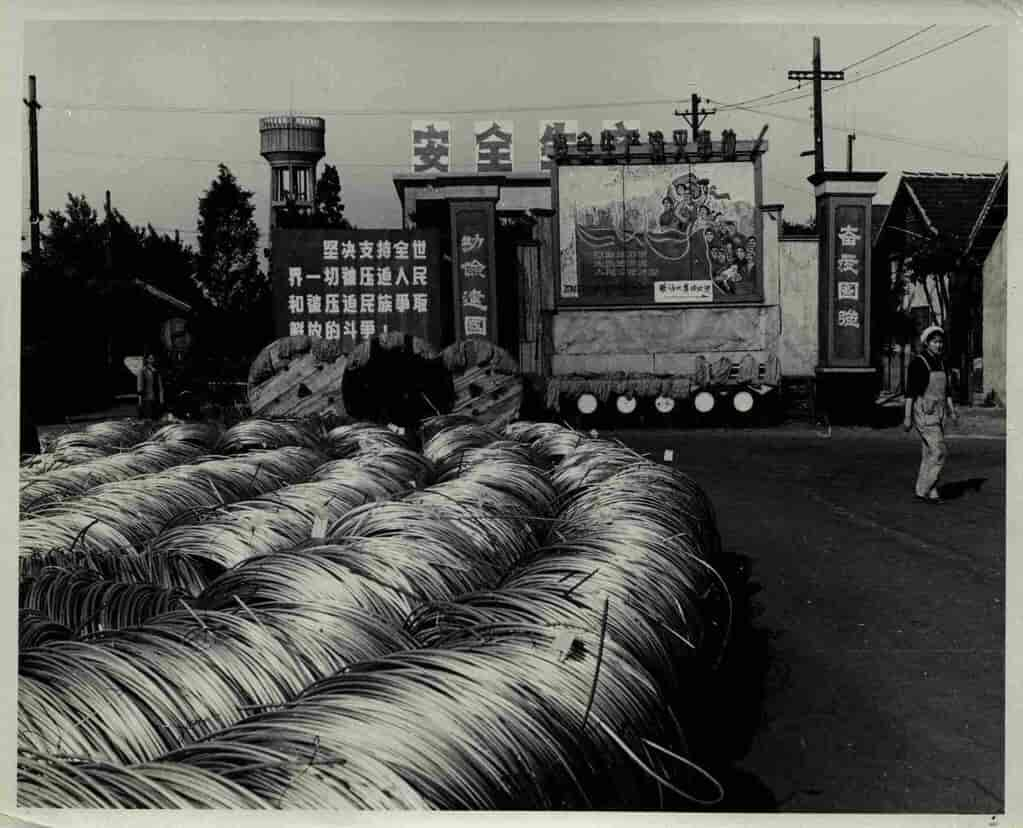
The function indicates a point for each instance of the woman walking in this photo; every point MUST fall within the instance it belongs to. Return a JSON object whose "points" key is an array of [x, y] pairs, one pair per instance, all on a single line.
{"points": [[927, 401]]}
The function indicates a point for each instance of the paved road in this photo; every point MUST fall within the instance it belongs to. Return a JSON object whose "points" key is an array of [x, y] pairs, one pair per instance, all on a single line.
{"points": [[885, 617]]}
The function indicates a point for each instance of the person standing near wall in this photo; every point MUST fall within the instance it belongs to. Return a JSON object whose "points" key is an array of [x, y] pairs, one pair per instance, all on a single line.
{"points": [[150, 388], [928, 399]]}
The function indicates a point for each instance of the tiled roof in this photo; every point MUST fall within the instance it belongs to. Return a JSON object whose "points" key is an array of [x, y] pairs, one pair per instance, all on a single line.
{"points": [[950, 201]]}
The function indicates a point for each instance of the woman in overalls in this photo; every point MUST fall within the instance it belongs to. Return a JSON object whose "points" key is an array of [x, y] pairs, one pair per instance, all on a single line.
{"points": [[927, 401]]}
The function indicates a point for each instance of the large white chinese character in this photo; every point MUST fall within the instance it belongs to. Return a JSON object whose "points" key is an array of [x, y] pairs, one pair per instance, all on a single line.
{"points": [[332, 276], [313, 303], [419, 249], [475, 326], [332, 330], [330, 250], [366, 276], [849, 290], [849, 236], [367, 327], [348, 250], [401, 250], [333, 303], [350, 304], [296, 304], [296, 329], [349, 328], [402, 302], [470, 243], [349, 276], [401, 278], [315, 329], [419, 275], [294, 277], [419, 302], [367, 303], [475, 298], [848, 263], [474, 269], [849, 318], [385, 303], [383, 249], [366, 249], [384, 277]]}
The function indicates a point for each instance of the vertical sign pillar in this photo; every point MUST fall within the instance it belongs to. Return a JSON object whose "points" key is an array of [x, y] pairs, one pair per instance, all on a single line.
{"points": [[846, 378], [474, 274]]}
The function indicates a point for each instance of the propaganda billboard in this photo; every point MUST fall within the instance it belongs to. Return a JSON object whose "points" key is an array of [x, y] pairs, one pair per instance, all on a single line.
{"points": [[659, 234], [351, 285]]}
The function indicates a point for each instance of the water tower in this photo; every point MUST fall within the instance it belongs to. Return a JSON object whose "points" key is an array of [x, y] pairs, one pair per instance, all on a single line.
{"points": [[293, 145]]}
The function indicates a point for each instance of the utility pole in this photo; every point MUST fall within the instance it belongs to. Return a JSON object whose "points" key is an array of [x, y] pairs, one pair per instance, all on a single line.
{"points": [[33, 149], [693, 116], [849, 150], [110, 235], [816, 75]]}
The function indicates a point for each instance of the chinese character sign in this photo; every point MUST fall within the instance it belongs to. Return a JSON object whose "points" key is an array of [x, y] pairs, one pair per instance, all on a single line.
{"points": [[620, 129], [431, 146], [494, 146], [474, 266], [548, 129], [351, 285], [849, 274]]}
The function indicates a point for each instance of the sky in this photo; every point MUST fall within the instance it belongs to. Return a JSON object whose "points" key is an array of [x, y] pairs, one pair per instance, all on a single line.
{"points": [[148, 109]]}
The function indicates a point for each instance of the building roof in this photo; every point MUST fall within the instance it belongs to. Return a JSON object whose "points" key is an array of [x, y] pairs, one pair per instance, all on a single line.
{"points": [[949, 202], [992, 216], [877, 214]]}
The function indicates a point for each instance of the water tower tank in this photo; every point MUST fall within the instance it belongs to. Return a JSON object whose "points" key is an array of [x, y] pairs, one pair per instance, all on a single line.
{"points": [[293, 145]]}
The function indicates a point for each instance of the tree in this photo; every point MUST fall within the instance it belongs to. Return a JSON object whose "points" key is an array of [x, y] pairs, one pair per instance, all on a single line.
{"points": [[227, 264], [328, 200]]}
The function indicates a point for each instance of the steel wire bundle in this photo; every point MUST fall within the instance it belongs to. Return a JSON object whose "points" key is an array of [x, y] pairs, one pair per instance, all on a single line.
{"points": [[90, 443], [126, 514], [431, 426], [400, 468], [52, 782], [35, 629], [446, 447], [357, 438], [549, 441], [256, 433], [42, 490], [83, 601], [204, 434], [184, 675]]}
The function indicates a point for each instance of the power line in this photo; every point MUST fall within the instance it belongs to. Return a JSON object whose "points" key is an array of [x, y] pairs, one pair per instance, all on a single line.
{"points": [[880, 136], [799, 86], [372, 113], [889, 48], [884, 69]]}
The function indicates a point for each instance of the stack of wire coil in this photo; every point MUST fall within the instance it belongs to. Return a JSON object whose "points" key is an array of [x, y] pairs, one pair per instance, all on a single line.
{"points": [[503, 632]]}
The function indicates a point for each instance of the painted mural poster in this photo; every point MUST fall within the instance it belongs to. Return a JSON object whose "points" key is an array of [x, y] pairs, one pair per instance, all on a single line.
{"points": [[650, 234], [431, 146]]}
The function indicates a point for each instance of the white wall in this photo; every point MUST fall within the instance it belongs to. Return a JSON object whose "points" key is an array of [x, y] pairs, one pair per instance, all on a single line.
{"points": [[995, 299]]}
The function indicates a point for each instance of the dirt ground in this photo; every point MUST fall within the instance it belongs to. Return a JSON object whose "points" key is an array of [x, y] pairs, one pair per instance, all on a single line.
{"points": [[884, 618]]}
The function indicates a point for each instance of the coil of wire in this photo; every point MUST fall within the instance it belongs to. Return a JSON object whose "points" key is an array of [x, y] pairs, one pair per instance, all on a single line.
{"points": [[256, 433]]}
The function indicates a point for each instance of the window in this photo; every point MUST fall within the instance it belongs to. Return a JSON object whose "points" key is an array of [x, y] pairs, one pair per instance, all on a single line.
{"points": [[301, 178], [281, 183]]}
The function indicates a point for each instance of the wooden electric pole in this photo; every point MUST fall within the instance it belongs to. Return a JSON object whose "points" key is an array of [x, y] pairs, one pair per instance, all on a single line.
{"points": [[849, 160], [695, 116], [33, 161], [110, 236], [817, 76]]}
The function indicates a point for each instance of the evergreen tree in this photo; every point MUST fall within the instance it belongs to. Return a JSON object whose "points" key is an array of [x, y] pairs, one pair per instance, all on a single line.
{"points": [[329, 208], [227, 264]]}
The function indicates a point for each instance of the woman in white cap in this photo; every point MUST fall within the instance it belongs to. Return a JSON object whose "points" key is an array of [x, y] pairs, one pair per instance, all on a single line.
{"points": [[927, 401]]}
